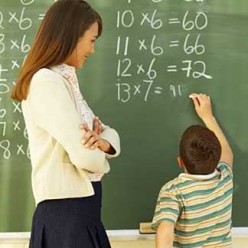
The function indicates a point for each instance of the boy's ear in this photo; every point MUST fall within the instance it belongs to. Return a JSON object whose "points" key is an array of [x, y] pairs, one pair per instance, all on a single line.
{"points": [[180, 162]]}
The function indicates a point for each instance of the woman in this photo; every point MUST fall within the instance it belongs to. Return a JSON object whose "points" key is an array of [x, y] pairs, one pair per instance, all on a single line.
{"points": [[69, 146]]}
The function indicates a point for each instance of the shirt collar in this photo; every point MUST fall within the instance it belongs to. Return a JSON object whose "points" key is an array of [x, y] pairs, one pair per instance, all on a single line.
{"points": [[66, 67], [199, 177], [67, 71]]}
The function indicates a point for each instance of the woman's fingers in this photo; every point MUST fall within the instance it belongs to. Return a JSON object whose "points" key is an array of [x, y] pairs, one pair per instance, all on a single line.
{"points": [[89, 139], [97, 125]]}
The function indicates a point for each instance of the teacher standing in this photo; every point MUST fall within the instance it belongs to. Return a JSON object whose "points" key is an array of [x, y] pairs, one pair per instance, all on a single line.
{"points": [[69, 145]]}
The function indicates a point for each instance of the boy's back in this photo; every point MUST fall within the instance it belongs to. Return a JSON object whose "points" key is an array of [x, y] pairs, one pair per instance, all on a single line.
{"points": [[200, 207]]}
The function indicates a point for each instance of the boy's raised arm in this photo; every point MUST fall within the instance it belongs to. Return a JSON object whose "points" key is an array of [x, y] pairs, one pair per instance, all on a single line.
{"points": [[203, 108]]}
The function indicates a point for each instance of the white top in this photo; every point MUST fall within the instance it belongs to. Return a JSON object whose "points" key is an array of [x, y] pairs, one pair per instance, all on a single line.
{"points": [[60, 163], [85, 113]]}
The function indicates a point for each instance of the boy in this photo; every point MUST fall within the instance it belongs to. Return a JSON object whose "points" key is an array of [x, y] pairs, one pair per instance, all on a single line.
{"points": [[194, 209]]}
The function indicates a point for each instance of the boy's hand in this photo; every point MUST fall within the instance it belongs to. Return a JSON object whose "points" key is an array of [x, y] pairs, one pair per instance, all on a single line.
{"points": [[202, 104]]}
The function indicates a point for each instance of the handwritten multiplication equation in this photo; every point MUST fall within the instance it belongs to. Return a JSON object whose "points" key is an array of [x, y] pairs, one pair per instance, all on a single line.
{"points": [[17, 27], [142, 77]]}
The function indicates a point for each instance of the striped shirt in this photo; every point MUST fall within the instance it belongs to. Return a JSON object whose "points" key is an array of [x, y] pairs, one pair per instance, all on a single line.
{"points": [[200, 206]]}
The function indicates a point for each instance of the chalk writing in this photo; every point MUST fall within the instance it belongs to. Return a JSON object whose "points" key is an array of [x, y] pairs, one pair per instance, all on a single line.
{"points": [[156, 74], [167, 51], [16, 33]]}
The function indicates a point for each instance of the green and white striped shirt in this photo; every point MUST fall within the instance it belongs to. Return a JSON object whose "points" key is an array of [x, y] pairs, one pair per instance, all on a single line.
{"points": [[200, 206]]}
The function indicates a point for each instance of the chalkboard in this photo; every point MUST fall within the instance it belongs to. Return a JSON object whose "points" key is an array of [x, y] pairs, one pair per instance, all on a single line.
{"points": [[152, 54]]}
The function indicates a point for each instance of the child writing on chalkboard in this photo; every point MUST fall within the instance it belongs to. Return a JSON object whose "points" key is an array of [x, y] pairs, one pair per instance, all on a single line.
{"points": [[194, 209]]}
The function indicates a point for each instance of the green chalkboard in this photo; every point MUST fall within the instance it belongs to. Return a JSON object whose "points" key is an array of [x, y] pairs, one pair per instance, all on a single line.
{"points": [[152, 54]]}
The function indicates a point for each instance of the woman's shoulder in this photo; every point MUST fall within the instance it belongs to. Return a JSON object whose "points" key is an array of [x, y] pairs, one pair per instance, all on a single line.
{"points": [[48, 80], [45, 74]]}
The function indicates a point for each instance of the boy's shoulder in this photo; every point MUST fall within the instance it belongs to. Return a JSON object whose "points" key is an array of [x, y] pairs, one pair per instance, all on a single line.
{"points": [[173, 186], [186, 181]]}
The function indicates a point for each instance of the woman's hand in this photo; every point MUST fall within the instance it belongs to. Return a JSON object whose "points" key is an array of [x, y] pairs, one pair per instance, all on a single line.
{"points": [[92, 139]]}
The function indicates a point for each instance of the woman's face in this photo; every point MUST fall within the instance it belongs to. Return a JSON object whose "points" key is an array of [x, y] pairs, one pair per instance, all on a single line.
{"points": [[85, 47]]}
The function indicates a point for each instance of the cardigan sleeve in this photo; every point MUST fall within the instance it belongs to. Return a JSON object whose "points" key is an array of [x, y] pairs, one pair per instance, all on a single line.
{"points": [[113, 138], [54, 111]]}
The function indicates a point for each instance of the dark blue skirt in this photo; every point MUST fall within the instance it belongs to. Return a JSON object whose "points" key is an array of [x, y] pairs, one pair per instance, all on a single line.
{"points": [[70, 223]]}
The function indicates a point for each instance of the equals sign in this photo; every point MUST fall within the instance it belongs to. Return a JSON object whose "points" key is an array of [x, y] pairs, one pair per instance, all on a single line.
{"points": [[174, 21], [41, 16], [174, 43], [172, 68], [158, 90]]}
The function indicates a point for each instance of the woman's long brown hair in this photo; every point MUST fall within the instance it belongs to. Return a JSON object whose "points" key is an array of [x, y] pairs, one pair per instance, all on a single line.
{"points": [[64, 23]]}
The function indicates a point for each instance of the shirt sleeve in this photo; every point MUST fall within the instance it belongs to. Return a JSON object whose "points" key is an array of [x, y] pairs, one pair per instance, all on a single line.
{"points": [[53, 110], [167, 208], [225, 169]]}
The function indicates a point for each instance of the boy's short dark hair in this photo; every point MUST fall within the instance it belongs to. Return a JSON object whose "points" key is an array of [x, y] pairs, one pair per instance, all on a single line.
{"points": [[200, 150]]}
